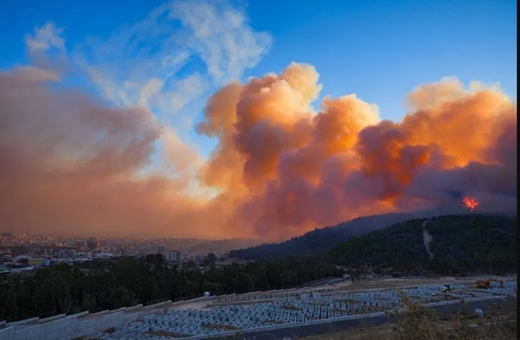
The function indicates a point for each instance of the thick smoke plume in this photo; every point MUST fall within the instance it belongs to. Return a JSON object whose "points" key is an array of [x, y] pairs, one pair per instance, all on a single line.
{"points": [[69, 163], [298, 169]]}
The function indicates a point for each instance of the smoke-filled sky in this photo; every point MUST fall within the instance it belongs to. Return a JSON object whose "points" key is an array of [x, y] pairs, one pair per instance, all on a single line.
{"points": [[194, 120]]}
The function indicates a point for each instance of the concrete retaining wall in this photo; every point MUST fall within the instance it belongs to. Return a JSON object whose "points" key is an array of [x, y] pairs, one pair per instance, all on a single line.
{"points": [[308, 329], [132, 318], [263, 296], [61, 327], [6, 333]]}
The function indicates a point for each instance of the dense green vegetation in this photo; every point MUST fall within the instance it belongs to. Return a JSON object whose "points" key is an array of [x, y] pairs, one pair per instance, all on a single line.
{"points": [[329, 237], [473, 243], [110, 284], [399, 247], [461, 244]]}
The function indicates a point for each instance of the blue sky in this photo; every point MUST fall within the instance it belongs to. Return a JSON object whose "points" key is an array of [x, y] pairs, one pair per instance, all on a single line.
{"points": [[379, 50]]}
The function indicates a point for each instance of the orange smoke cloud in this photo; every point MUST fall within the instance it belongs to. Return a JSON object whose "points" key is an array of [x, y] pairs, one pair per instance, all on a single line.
{"points": [[279, 167], [299, 169], [70, 164]]}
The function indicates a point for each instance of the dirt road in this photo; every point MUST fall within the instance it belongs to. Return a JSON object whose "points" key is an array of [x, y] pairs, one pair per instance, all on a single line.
{"points": [[427, 239]]}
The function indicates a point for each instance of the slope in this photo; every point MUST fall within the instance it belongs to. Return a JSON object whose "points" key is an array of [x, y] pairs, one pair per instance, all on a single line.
{"points": [[461, 244], [329, 237]]}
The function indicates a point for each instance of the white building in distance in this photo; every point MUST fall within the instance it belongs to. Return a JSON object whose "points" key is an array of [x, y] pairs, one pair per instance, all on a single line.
{"points": [[174, 256]]}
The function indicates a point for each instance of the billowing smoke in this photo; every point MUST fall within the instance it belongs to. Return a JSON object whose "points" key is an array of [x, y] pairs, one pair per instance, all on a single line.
{"points": [[299, 169], [69, 163]]}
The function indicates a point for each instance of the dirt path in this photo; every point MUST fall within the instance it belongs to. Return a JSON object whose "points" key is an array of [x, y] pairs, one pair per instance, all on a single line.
{"points": [[427, 239]]}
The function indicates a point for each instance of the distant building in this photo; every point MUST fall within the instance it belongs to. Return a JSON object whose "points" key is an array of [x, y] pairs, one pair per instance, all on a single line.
{"points": [[160, 250], [65, 253], [80, 244], [174, 256], [22, 259], [6, 257], [92, 243], [81, 255]]}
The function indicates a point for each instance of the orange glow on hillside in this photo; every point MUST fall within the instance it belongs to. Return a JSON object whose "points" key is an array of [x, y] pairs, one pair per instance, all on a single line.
{"points": [[471, 203]]}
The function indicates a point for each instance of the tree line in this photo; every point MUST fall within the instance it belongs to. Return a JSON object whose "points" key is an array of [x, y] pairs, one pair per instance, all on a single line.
{"points": [[111, 284]]}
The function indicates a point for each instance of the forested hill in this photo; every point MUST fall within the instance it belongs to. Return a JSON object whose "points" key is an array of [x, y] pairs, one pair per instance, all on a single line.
{"points": [[329, 237], [461, 244]]}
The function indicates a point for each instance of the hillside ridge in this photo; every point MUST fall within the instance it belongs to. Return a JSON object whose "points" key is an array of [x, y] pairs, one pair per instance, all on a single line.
{"points": [[330, 236], [461, 244]]}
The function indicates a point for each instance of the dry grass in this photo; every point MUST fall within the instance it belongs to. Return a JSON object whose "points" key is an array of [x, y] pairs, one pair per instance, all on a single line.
{"points": [[419, 323]]}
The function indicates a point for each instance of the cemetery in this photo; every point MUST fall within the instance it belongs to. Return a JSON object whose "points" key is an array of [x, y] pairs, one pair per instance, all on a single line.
{"points": [[209, 317], [307, 308]]}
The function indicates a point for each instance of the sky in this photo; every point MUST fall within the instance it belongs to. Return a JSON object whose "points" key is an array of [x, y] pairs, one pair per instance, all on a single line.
{"points": [[386, 48], [170, 57]]}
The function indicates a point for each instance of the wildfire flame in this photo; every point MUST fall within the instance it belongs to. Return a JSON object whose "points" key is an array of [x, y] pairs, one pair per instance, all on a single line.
{"points": [[470, 203]]}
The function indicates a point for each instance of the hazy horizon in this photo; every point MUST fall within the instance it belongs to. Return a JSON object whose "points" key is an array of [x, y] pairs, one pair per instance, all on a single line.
{"points": [[210, 119]]}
